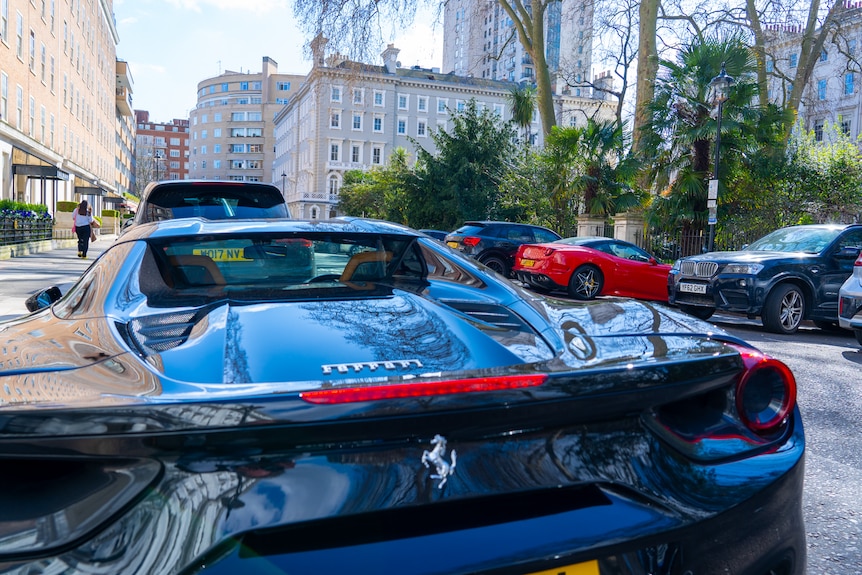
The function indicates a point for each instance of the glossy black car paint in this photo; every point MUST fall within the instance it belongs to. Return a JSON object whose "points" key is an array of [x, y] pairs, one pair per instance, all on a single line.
{"points": [[133, 461], [498, 242], [817, 275]]}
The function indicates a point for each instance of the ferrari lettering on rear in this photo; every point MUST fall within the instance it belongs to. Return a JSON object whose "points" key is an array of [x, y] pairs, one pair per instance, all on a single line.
{"points": [[371, 365]]}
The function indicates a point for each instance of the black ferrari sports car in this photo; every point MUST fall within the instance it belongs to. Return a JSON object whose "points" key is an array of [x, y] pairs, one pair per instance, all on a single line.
{"points": [[351, 396]]}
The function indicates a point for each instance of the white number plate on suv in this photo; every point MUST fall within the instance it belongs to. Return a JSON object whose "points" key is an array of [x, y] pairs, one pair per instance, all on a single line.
{"points": [[692, 288]]}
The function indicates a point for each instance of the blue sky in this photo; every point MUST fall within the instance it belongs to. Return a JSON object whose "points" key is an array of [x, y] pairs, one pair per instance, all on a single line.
{"points": [[171, 45]]}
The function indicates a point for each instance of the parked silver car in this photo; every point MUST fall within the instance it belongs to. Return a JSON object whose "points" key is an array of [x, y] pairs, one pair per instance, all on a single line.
{"points": [[850, 301]]}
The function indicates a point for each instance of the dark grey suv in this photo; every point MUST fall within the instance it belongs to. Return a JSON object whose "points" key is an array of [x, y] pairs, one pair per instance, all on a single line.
{"points": [[210, 199], [787, 276], [496, 243]]}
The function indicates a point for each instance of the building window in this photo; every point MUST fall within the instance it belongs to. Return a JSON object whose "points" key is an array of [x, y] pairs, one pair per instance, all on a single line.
{"points": [[402, 102], [378, 98], [420, 129], [357, 95], [19, 36], [378, 124], [4, 96], [354, 153], [282, 86], [216, 164], [422, 103], [845, 127], [498, 110], [255, 148], [770, 65], [442, 105], [4, 20], [848, 83], [375, 155], [237, 116], [818, 130], [824, 55], [335, 94], [821, 90], [243, 86], [216, 132], [333, 190], [794, 58], [334, 152], [335, 120], [459, 105], [357, 121], [32, 114], [402, 126]]}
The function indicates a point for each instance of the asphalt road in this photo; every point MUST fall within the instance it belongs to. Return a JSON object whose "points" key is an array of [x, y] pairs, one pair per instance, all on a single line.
{"points": [[827, 366]]}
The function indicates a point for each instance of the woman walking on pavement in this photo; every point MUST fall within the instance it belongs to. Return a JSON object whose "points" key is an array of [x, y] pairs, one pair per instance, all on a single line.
{"points": [[82, 223]]}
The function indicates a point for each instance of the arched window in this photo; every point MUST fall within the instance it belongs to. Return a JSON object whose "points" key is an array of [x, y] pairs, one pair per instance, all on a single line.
{"points": [[314, 213], [333, 185]]}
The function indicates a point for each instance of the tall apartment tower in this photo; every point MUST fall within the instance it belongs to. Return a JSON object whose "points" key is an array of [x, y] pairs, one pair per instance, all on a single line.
{"points": [[65, 104], [232, 124], [162, 150], [480, 40]]}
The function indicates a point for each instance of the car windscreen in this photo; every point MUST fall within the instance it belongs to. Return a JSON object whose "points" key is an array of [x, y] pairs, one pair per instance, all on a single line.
{"points": [[262, 265], [808, 240], [214, 202]]}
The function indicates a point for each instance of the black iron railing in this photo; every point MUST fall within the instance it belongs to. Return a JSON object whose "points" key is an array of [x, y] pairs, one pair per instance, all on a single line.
{"points": [[22, 230]]}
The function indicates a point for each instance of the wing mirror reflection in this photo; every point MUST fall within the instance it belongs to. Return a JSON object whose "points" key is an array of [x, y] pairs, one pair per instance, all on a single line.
{"points": [[44, 298]]}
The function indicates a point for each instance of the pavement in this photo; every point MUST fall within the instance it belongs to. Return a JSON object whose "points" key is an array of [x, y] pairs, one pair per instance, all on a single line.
{"points": [[23, 275]]}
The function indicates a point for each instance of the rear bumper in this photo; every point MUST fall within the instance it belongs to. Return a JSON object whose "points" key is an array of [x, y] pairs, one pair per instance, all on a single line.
{"points": [[536, 280], [763, 535]]}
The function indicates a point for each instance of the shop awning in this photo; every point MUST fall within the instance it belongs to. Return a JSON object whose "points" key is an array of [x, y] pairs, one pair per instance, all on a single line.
{"points": [[114, 200], [90, 191], [46, 172], [26, 164]]}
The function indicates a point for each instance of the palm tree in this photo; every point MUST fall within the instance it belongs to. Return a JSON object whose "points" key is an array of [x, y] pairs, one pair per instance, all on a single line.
{"points": [[683, 127], [523, 100], [601, 171]]}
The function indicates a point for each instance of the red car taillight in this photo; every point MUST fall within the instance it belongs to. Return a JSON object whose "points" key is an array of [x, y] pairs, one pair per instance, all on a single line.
{"points": [[471, 241], [421, 389], [765, 392], [858, 262]]}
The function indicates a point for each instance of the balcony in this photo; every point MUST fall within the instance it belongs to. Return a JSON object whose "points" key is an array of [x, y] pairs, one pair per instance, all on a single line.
{"points": [[124, 101]]}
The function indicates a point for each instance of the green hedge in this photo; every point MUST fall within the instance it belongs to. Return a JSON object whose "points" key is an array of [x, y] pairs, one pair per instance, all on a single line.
{"points": [[66, 206], [110, 214]]}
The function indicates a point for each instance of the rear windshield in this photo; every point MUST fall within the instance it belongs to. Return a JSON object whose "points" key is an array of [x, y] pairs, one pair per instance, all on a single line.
{"points": [[262, 265], [214, 202]]}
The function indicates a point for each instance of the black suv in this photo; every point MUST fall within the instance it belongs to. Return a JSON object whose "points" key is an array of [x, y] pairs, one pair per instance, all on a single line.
{"points": [[785, 277], [210, 199], [496, 243]]}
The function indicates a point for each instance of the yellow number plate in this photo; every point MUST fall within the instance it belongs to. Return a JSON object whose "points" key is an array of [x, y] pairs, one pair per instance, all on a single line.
{"points": [[222, 254], [588, 568], [528, 263], [452, 244]]}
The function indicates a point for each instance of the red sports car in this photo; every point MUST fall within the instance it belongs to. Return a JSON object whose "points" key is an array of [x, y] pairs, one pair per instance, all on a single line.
{"points": [[590, 266]]}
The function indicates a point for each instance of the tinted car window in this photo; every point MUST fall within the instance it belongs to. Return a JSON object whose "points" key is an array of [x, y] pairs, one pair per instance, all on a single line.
{"points": [[851, 239], [544, 236], [213, 202]]}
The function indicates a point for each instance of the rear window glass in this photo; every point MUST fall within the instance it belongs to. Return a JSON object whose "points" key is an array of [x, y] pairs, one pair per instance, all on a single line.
{"points": [[214, 202], [264, 264], [470, 229]]}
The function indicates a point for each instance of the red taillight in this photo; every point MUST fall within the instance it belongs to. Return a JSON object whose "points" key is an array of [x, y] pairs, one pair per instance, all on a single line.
{"points": [[471, 241], [858, 261], [765, 393], [421, 389]]}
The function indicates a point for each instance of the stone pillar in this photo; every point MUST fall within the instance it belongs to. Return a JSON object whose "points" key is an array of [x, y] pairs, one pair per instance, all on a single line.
{"points": [[591, 226], [629, 227]]}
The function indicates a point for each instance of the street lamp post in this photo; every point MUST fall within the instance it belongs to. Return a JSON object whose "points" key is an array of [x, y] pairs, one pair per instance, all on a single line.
{"points": [[283, 176], [157, 155], [720, 86]]}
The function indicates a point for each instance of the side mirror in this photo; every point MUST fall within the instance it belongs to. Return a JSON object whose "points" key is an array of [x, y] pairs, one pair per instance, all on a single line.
{"points": [[653, 261], [43, 298]]}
